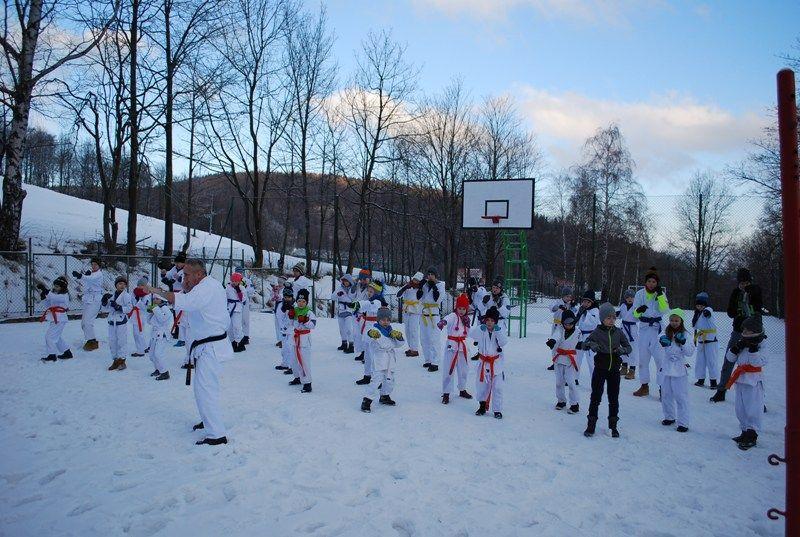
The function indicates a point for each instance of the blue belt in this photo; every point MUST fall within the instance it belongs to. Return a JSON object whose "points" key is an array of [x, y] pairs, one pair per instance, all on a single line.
{"points": [[626, 325], [650, 321], [584, 332]]}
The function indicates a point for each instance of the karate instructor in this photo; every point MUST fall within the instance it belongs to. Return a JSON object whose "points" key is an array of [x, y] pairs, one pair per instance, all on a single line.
{"points": [[204, 301]]}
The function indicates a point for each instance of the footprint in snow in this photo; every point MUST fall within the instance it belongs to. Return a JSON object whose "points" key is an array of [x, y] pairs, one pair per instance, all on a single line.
{"points": [[82, 508], [29, 499], [51, 476], [314, 526], [229, 493], [146, 456], [404, 527]]}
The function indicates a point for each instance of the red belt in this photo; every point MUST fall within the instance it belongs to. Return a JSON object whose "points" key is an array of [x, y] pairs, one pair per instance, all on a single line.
{"points": [[297, 334], [53, 311], [177, 320], [135, 309], [570, 353], [364, 320], [455, 356], [744, 368], [488, 360]]}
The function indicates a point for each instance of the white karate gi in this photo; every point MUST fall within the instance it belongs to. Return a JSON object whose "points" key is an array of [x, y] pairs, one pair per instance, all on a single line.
{"points": [[299, 339], [359, 293], [491, 366], [205, 306], [138, 320], [55, 315], [91, 300], [630, 326], [749, 386], [301, 282], [235, 296], [384, 355], [675, 380], [649, 331], [566, 366], [249, 293], [430, 335], [586, 323], [705, 337], [342, 299], [368, 311], [118, 307], [503, 305], [455, 357], [176, 274], [160, 321], [411, 317], [284, 326], [557, 311]]}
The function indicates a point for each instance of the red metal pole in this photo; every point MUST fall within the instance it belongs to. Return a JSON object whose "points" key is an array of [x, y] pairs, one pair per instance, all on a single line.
{"points": [[790, 197]]}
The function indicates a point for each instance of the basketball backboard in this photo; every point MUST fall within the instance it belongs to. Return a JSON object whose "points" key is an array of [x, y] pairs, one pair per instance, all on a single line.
{"points": [[501, 204]]}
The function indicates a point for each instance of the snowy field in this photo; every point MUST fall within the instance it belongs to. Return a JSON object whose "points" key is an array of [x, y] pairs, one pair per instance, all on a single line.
{"points": [[89, 452]]}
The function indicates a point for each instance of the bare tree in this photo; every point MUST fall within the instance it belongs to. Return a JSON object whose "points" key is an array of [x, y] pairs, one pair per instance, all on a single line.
{"points": [[32, 54]]}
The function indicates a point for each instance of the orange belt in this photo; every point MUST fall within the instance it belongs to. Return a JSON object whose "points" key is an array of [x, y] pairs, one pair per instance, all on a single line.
{"points": [[744, 368], [177, 320], [135, 310], [570, 353], [364, 320], [53, 311], [488, 360], [455, 356], [297, 334]]}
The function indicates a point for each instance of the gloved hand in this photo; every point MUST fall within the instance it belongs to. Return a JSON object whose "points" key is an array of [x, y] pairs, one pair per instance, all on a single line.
{"points": [[77, 274], [659, 290], [680, 338], [497, 328], [551, 343], [579, 346], [441, 324], [116, 306], [290, 314], [562, 307], [753, 347], [151, 307], [373, 333], [396, 335], [499, 349], [356, 306], [340, 293], [105, 299], [706, 313], [641, 309], [736, 348], [41, 287], [87, 273], [302, 318], [664, 341], [483, 328], [485, 299]]}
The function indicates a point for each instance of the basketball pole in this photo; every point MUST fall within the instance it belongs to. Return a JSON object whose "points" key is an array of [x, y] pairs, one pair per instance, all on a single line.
{"points": [[790, 206]]}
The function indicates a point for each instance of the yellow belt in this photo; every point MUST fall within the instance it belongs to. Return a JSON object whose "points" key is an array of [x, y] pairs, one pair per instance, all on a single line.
{"points": [[703, 333], [426, 313], [407, 303], [556, 321]]}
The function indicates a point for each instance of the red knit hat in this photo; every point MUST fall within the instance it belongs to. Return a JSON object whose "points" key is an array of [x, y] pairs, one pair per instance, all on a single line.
{"points": [[236, 277], [462, 301]]}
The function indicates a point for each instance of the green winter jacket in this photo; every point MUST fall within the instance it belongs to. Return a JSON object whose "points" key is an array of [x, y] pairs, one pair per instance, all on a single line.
{"points": [[608, 344]]}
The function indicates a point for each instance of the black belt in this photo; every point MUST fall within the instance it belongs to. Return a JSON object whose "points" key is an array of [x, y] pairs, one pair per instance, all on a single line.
{"points": [[118, 323], [196, 343]]}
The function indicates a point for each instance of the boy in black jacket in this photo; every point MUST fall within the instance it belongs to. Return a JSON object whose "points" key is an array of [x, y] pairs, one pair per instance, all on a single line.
{"points": [[609, 345]]}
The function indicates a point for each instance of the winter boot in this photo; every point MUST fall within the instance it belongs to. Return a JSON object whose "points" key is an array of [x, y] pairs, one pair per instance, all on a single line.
{"points": [[577, 383], [237, 347], [700, 382], [590, 426], [50, 358], [498, 415], [66, 355], [623, 370], [198, 426], [342, 347], [413, 354], [114, 365], [643, 391], [445, 398], [212, 441], [163, 376], [386, 400], [360, 357], [551, 367], [350, 349], [279, 344], [433, 368], [91, 345], [185, 366], [295, 382], [246, 340], [631, 373], [426, 365], [481, 409], [288, 371], [366, 379], [464, 394], [365, 404], [155, 373], [561, 405], [281, 367], [712, 384], [121, 365], [306, 388], [749, 440], [739, 438], [407, 352], [612, 425], [136, 355], [574, 409], [718, 397], [667, 423], [682, 429]]}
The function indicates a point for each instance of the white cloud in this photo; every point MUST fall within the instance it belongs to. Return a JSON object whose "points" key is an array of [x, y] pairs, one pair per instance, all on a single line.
{"points": [[669, 136]]}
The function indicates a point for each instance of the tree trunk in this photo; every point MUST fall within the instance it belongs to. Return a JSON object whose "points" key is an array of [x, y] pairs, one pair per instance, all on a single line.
{"points": [[170, 75], [133, 177]]}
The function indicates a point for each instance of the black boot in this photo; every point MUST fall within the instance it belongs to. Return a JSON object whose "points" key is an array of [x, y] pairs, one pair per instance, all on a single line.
{"points": [[498, 415], [386, 400], [739, 438], [365, 405], [360, 358], [481, 409], [237, 347], [682, 429], [749, 440], [50, 358], [295, 382], [67, 354], [464, 394], [712, 384], [198, 426], [667, 423], [551, 367], [349, 349], [306, 388], [212, 441], [155, 373], [163, 376], [281, 367], [246, 340], [700, 382], [561, 405], [445, 398], [574, 409], [590, 426], [612, 424], [433, 368], [718, 397], [288, 371], [185, 366], [342, 347], [426, 365], [366, 379]]}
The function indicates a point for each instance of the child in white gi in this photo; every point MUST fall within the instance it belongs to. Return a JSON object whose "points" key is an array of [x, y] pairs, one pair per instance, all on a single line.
{"points": [[649, 305], [361, 292], [411, 313], [705, 338], [431, 295], [284, 326], [249, 293], [565, 304], [678, 347], [159, 317], [631, 328], [564, 353], [455, 351], [172, 277], [750, 358], [475, 291], [383, 343], [490, 340], [495, 298], [586, 320], [56, 303], [236, 298], [342, 299], [141, 299], [303, 321], [368, 309], [92, 293], [118, 305]]}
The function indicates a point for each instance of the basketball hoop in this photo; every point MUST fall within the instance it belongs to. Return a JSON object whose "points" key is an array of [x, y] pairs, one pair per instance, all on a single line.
{"points": [[495, 218]]}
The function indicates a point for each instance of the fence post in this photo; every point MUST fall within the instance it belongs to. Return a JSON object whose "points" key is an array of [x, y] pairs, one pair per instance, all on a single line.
{"points": [[29, 277]]}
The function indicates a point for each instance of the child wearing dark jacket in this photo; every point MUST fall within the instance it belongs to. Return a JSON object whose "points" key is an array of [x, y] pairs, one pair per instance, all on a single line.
{"points": [[609, 345]]}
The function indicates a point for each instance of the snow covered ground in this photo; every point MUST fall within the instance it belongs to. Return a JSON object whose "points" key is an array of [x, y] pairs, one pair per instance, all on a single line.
{"points": [[88, 452]]}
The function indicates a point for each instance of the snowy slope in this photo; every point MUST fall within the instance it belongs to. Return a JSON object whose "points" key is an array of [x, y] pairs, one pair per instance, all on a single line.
{"points": [[88, 452]]}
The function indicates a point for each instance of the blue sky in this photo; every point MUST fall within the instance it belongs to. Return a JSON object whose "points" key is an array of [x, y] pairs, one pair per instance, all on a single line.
{"points": [[689, 82]]}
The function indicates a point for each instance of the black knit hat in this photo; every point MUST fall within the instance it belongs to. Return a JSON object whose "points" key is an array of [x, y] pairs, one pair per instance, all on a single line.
{"points": [[743, 275], [652, 272], [180, 258], [302, 293], [567, 317], [432, 270], [753, 324], [95, 259], [497, 282], [589, 295], [121, 279], [492, 313]]}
